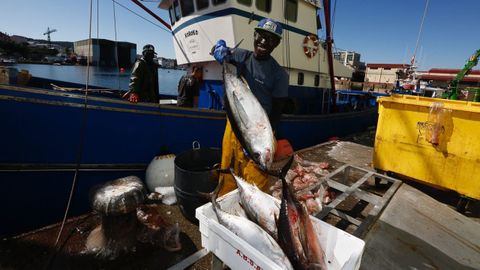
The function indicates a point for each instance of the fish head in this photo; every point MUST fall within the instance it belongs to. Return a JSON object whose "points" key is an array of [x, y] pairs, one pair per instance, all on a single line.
{"points": [[263, 156]]}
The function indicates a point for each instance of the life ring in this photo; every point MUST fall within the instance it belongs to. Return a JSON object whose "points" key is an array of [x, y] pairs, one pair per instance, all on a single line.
{"points": [[310, 45]]}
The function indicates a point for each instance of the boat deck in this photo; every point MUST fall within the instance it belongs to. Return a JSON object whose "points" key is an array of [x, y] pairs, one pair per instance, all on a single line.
{"points": [[414, 230]]}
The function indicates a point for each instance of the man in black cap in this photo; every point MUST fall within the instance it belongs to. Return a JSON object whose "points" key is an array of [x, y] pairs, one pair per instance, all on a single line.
{"points": [[268, 81], [144, 80]]}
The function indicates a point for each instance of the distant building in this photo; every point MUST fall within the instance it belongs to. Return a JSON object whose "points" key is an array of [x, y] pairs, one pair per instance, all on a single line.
{"points": [[382, 77], [166, 63], [384, 73], [102, 52], [348, 58], [352, 59], [441, 77]]}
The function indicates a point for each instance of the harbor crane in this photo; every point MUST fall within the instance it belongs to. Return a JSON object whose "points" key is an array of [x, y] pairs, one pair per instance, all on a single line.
{"points": [[454, 91], [48, 32]]}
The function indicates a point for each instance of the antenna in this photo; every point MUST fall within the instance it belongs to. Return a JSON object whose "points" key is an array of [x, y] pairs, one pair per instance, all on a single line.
{"points": [[48, 32]]}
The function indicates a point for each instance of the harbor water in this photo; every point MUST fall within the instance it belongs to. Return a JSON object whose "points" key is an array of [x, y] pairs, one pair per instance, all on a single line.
{"points": [[102, 76]]}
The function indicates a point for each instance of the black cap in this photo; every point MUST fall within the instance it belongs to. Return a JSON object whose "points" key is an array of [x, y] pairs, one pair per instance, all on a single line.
{"points": [[148, 47]]}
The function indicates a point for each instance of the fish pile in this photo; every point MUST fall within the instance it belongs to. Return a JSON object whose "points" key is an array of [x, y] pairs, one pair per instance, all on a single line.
{"points": [[281, 230], [309, 186]]}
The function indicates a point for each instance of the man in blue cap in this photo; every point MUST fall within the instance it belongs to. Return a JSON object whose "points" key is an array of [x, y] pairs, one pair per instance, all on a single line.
{"points": [[144, 79], [268, 82]]}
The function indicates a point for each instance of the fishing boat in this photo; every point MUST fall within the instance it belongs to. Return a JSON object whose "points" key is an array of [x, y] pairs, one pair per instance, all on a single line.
{"points": [[59, 139]]}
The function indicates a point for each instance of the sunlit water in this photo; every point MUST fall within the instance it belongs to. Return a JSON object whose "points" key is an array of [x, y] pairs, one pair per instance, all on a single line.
{"points": [[101, 76]]}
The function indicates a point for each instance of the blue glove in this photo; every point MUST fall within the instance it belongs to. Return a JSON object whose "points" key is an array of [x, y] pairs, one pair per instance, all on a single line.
{"points": [[221, 50]]}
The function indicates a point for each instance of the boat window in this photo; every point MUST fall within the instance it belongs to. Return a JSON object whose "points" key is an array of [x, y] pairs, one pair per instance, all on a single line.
{"points": [[291, 9], [264, 5], [201, 4], [218, 2], [300, 78], [317, 80], [171, 12], [187, 7], [176, 7], [245, 2]]}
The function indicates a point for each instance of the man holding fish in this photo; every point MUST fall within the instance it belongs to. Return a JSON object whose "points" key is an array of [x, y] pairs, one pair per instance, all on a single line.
{"points": [[268, 82]]}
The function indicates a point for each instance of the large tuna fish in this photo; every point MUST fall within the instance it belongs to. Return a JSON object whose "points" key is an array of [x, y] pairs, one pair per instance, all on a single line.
{"points": [[259, 206], [248, 119], [296, 234], [252, 234]]}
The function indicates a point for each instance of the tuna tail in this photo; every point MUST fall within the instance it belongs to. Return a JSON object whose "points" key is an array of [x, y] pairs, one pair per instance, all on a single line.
{"points": [[281, 173]]}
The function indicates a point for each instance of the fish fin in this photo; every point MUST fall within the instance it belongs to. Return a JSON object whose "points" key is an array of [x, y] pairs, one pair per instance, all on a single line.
{"points": [[283, 171]]}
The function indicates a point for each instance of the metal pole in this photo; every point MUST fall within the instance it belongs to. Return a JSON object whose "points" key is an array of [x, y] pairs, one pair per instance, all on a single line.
{"points": [[153, 14], [329, 41]]}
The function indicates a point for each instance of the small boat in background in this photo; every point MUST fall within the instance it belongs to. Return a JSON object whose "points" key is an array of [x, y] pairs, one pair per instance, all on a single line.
{"points": [[7, 62]]}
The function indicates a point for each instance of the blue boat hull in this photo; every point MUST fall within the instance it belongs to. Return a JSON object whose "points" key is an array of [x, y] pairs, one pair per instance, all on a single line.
{"points": [[45, 133]]}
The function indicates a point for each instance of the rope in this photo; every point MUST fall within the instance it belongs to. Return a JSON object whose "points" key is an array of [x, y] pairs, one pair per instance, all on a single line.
{"points": [[333, 17], [116, 42], [161, 27], [98, 34], [157, 25], [82, 130], [419, 33], [286, 43]]}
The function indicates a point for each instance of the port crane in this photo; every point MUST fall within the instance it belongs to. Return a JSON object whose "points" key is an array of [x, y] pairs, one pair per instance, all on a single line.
{"points": [[453, 86], [48, 32]]}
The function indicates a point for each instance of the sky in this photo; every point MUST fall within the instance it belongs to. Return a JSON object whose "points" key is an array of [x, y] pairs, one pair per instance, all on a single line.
{"points": [[382, 31]]}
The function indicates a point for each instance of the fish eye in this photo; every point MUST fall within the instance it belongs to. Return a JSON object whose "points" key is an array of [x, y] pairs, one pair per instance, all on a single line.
{"points": [[256, 155]]}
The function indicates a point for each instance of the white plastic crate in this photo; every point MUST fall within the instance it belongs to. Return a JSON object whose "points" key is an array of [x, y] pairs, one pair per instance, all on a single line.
{"points": [[343, 250]]}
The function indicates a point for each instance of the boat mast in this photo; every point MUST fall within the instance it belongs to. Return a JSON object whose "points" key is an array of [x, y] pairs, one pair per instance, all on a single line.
{"points": [[329, 41]]}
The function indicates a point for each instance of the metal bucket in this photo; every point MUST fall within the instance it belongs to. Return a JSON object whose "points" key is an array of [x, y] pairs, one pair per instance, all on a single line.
{"points": [[195, 172]]}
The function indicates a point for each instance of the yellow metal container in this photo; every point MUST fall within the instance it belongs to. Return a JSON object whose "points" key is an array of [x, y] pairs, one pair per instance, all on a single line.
{"points": [[443, 152]]}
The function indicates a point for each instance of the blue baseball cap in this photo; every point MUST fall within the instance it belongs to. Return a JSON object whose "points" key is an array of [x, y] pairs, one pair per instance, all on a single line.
{"points": [[271, 26]]}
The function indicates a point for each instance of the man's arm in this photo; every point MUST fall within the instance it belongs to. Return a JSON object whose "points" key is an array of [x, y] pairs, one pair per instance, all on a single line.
{"points": [[136, 79]]}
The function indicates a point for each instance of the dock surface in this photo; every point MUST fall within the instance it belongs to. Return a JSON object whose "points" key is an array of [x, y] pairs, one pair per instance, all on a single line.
{"points": [[414, 231]]}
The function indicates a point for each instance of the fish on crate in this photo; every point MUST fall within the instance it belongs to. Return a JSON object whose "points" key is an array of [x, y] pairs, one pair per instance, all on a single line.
{"points": [[308, 184], [251, 233], [248, 119], [260, 207], [296, 233]]}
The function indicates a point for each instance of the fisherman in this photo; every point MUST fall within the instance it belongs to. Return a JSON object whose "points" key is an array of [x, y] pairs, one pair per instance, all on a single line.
{"points": [[144, 79], [269, 83], [189, 88]]}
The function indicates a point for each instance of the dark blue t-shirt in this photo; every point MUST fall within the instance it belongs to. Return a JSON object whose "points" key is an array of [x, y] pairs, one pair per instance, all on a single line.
{"points": [[266, 78]]}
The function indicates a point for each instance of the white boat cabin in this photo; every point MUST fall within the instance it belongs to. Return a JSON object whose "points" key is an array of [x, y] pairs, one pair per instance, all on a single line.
{"points": [[198, 24]]}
